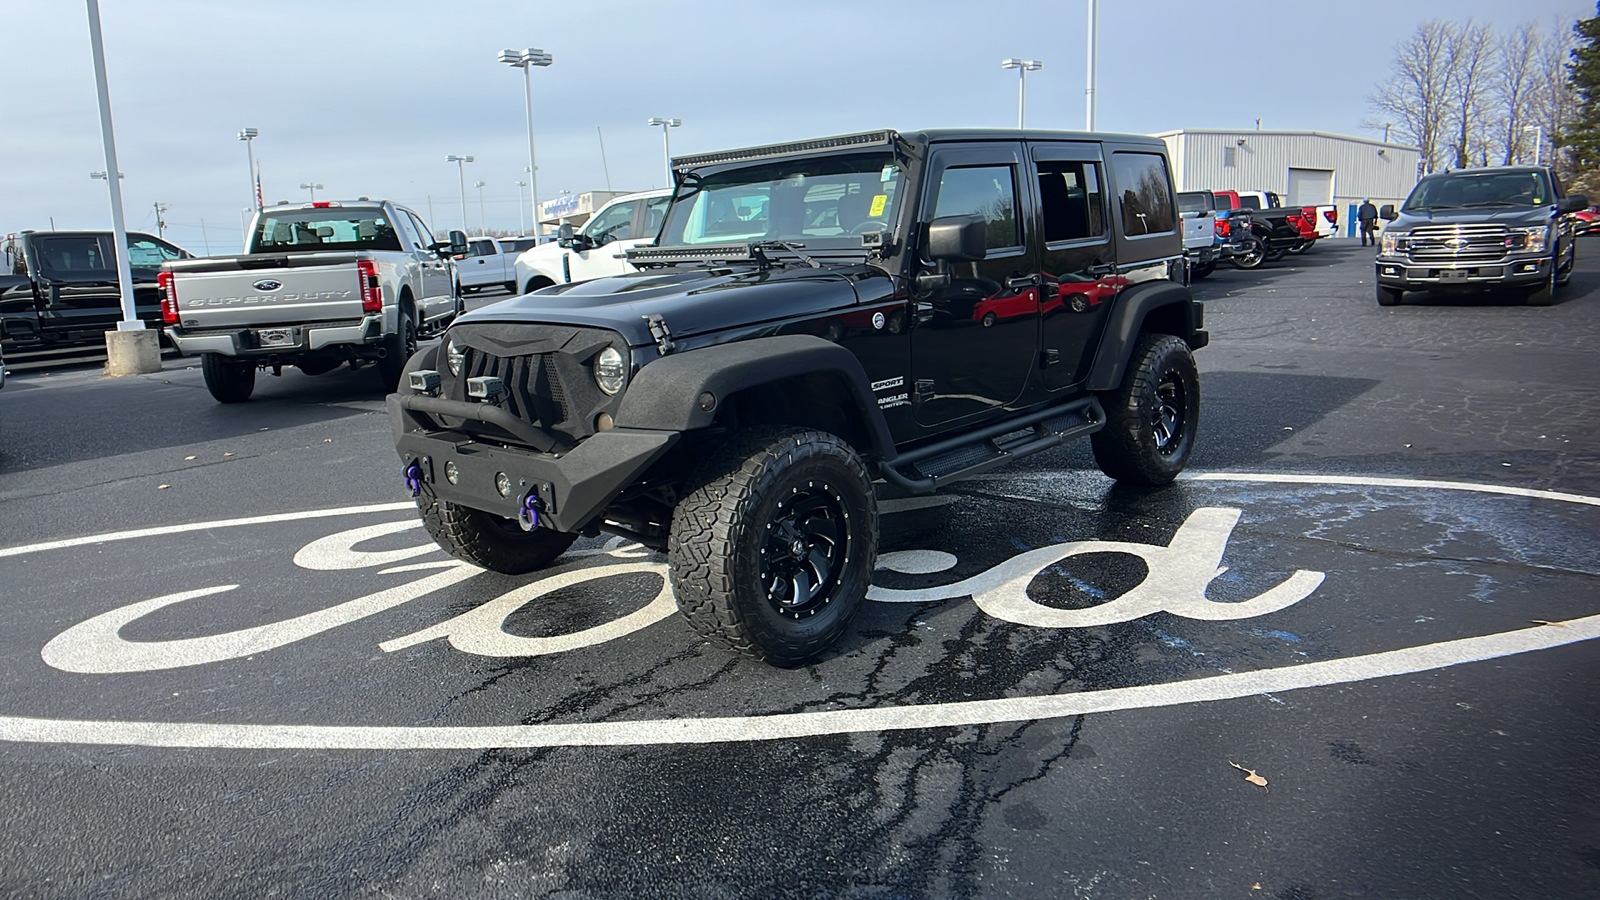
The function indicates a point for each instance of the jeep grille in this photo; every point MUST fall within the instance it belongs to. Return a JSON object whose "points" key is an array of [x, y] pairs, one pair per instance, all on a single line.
{"points": [[546, 371]]}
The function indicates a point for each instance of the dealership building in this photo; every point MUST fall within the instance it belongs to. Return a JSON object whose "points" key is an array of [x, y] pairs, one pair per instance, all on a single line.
{"points": [[1306, 168]]}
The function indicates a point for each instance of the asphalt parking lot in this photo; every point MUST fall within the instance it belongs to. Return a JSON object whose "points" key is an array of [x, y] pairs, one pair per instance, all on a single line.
{"points": [[234, 666]]}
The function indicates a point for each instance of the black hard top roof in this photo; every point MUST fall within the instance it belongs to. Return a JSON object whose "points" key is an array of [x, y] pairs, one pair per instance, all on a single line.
{"points": [[1490, 170], [888, 137]]}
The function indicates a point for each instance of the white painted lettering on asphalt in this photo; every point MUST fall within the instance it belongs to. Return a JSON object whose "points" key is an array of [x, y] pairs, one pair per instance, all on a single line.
{"points": [[1175, 581]]}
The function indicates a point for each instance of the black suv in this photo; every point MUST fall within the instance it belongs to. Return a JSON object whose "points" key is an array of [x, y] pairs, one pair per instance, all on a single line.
{"points": [[912, 307], [1480, 230]]}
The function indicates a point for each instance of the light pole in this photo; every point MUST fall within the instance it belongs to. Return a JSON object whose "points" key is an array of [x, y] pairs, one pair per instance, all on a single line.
{"points": [[248, 135], [161, 224], [311, 186], [461, 172], [526, 60], [119, 226], [1538, 141], [482, 228], [1023, 67], [666, 142], [521, 229], [1094, 48]]}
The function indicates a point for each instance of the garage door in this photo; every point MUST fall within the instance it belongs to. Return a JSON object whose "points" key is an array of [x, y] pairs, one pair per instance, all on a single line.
{"points": [[1310, 187]]}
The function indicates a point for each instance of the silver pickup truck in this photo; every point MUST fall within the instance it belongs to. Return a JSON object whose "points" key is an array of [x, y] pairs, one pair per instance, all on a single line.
{"points": [[319, 284]]}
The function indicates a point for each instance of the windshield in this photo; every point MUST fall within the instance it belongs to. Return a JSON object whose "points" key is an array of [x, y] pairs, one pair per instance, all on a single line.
{"points": [[1461, 190], [366, 228], [805, 201]]}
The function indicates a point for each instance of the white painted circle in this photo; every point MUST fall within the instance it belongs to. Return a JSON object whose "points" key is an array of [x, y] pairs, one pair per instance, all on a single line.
{"points": [[705, 730], [917, 562]]}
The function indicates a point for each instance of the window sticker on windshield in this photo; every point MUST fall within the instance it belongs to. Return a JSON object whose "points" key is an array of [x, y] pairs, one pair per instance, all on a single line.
{"points": [[877, 205], [889, 172]]}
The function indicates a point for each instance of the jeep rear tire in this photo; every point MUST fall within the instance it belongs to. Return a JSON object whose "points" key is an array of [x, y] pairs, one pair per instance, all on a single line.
{"points": [[1151, 418], [228, 380], [772, 549], [493, 542]]}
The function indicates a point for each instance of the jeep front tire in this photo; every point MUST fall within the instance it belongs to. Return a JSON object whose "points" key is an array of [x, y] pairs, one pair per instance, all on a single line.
{"points": [[1151, 417], [493, 542], [772, 549]]}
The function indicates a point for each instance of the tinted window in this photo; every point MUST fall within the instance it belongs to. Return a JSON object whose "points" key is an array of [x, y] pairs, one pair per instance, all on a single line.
{"points": [[480, 248], [423, 234], [1070, 201], [279, 230], [1192, 202], [613, 223], [1488, 189], [16, 261], [826, 198], [655, 212], [1146, 196], [72, 253], [146, 253], [1248, 201], [988, 192], [517, 245]]}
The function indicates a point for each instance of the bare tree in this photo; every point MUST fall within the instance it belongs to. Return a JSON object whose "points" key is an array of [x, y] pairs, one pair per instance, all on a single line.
{"points": [[1514, 89], [1555, 100], [1469, 57], [1417, 96]]}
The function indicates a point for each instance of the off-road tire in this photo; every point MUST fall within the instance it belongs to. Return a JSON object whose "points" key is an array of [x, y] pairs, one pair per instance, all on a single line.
{"points": [[485, 539], [228, 381], [1389, 296], [398, 348], [1159, 395], [757, 486]]}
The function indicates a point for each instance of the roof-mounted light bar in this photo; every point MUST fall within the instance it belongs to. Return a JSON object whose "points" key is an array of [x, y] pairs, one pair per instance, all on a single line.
{"points": [[885, 138], [666, 256]]}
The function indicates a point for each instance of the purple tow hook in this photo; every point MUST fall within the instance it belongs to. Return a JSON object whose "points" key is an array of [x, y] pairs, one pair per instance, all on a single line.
{"points": [[414, 479], [528, 514]]}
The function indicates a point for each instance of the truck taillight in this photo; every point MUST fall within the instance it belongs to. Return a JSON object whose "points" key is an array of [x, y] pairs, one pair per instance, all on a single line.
{"points": [[169, 298], [1222, 228], [371, 290], [1332, 215]]}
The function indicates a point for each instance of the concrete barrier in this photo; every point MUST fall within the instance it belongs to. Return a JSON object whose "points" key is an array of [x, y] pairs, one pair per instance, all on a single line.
{"points": [[133, 352]]}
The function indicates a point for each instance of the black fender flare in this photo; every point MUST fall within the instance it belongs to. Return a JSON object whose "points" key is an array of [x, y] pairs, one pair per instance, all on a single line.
{"points": [[1133, 306], [666, 394]]}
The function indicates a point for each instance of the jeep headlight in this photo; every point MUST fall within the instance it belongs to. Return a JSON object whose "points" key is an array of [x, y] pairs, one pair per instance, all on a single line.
{"points": [[1534, 240], [610, 371], [453, 357], [1389, 242]]}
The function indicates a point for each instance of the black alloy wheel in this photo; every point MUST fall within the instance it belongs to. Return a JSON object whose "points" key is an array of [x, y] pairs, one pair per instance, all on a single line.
{"points": [[1152, 418], [1252, 256], [772, 548]]}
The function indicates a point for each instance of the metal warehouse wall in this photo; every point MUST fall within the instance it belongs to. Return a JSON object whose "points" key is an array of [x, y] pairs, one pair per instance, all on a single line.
{"points": [[1263, 160]]}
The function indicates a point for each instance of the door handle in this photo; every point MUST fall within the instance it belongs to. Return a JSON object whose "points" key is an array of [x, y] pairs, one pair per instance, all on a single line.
{"points": [[1019, 283], [1099, 269], [924, 311]]}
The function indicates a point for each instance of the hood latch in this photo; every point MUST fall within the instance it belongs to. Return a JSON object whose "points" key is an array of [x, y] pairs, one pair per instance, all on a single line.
{"points": [[659, 331]]}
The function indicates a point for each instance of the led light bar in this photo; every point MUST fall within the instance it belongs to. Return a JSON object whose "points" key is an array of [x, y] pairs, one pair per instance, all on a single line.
{"points": [[663, 256], [884, 138]]}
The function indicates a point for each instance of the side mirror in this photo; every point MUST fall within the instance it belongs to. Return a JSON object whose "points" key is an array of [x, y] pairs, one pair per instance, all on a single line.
{"points": [[564, 234], [1386, 212], [957, 239], [458, 243], [1573, 203]]}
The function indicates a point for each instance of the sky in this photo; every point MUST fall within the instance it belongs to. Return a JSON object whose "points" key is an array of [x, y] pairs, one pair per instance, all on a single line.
{"points": [[367, 97]]}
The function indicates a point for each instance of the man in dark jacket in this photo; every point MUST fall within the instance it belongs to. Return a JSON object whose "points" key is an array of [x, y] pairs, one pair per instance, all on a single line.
{"points": [[1367, 215]]}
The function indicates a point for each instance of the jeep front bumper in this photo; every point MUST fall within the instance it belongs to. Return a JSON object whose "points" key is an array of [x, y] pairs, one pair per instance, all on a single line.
{"points": [[1400, 272], [570, 488], [283, 340]]}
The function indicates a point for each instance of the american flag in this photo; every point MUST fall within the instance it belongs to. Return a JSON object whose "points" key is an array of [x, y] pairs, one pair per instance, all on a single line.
{"points": [[258, 190]]}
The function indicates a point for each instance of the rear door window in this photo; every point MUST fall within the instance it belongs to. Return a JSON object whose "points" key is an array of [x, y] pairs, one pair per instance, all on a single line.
{"points": [[73, 253], [1144, 193], [1071, 201]]}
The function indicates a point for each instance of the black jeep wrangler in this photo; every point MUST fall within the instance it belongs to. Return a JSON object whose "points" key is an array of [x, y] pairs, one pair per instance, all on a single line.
{"points": [[911, 307]]}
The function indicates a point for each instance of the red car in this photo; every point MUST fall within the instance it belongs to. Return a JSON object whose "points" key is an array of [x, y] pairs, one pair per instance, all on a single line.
{"points": [[1587, 220]]}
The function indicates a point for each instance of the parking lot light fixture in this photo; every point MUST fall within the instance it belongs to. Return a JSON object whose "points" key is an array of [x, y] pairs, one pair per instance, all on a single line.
{"points": [[461, 173], [311, 186], [1538, 141], [248, 135], [482, 227], [526, 60], [666, 142], [1023, 67]]}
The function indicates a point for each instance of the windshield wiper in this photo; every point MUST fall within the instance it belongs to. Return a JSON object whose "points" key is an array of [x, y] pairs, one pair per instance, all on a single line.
{"points": [[1490, 203], [758, 246]]}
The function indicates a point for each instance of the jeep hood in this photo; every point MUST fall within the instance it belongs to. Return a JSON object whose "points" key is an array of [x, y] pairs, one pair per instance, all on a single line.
{"points": [[691, 301]]}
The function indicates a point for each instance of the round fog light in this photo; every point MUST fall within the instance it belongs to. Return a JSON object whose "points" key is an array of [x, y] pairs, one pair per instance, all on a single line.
{"points": [[451, 473], [502, 483], [603, 422]]}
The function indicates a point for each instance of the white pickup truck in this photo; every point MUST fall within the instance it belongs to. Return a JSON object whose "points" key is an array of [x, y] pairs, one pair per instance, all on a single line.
{"points": [[1201, 246], [490, 262], [319, 284], [600, 248]]}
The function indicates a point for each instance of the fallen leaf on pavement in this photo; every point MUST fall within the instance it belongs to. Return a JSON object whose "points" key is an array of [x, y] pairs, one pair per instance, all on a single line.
{"points": [[187, 458], [227, 454], [162, 487], [1543, 622], [1256, 886], [1249, 774]]}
